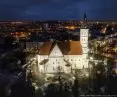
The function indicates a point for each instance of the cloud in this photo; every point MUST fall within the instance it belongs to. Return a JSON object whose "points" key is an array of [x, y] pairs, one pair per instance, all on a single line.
{"points": [[50, 12], [105, 9], [56, 9], [26, 9]]}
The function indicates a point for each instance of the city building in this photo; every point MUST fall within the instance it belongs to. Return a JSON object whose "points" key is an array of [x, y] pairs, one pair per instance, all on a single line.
{"points": [[68, 55]]}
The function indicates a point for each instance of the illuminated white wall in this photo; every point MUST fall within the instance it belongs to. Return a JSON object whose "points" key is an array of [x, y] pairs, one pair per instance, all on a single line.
{"points": [[56, 58], [84, 39], [56, 52], [54, 63], [77, 61], [41, 58]]}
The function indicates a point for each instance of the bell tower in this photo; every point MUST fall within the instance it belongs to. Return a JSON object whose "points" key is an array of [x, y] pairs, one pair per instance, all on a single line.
{"points": [[84, 39], [84, 33]]}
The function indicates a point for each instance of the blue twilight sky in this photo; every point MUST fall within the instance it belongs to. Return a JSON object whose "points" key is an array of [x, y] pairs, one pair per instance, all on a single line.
{"points": [[57, 9]]}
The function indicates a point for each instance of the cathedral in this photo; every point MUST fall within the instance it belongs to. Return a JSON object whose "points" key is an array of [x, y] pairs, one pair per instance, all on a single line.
{"points": [[67, 55]]}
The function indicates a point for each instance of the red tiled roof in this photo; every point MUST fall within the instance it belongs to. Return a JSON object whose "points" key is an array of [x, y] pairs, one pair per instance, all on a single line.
{"points": [[75, 48], [66, 47], [45, 48]]}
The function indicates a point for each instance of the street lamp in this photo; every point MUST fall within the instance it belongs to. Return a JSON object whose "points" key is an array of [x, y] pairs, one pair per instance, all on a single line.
{"points": [[91, 58]]}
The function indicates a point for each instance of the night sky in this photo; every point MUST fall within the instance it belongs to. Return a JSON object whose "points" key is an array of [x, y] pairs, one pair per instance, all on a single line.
{"points": [[57, 9]]}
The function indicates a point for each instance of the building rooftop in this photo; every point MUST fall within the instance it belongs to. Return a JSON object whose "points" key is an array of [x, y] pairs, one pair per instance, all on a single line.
{"points": [[67, 47]]}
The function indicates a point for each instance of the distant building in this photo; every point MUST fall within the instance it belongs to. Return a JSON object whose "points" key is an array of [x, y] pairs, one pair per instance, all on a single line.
{"points": [[68, 55], [30, 45]]}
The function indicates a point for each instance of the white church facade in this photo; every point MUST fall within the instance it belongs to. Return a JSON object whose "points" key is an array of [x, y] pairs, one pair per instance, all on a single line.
{"points": [[68, 55]]}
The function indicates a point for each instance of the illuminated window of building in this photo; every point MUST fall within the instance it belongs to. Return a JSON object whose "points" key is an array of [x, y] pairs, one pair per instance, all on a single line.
{"points": [[83, 33]]}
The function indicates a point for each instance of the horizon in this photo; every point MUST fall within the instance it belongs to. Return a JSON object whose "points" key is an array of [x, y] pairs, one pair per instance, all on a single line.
{"points": [[102, 20]]}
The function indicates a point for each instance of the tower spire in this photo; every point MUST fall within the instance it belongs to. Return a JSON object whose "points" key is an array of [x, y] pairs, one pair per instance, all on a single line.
{"points": [[85, 16], [84, 21]]}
